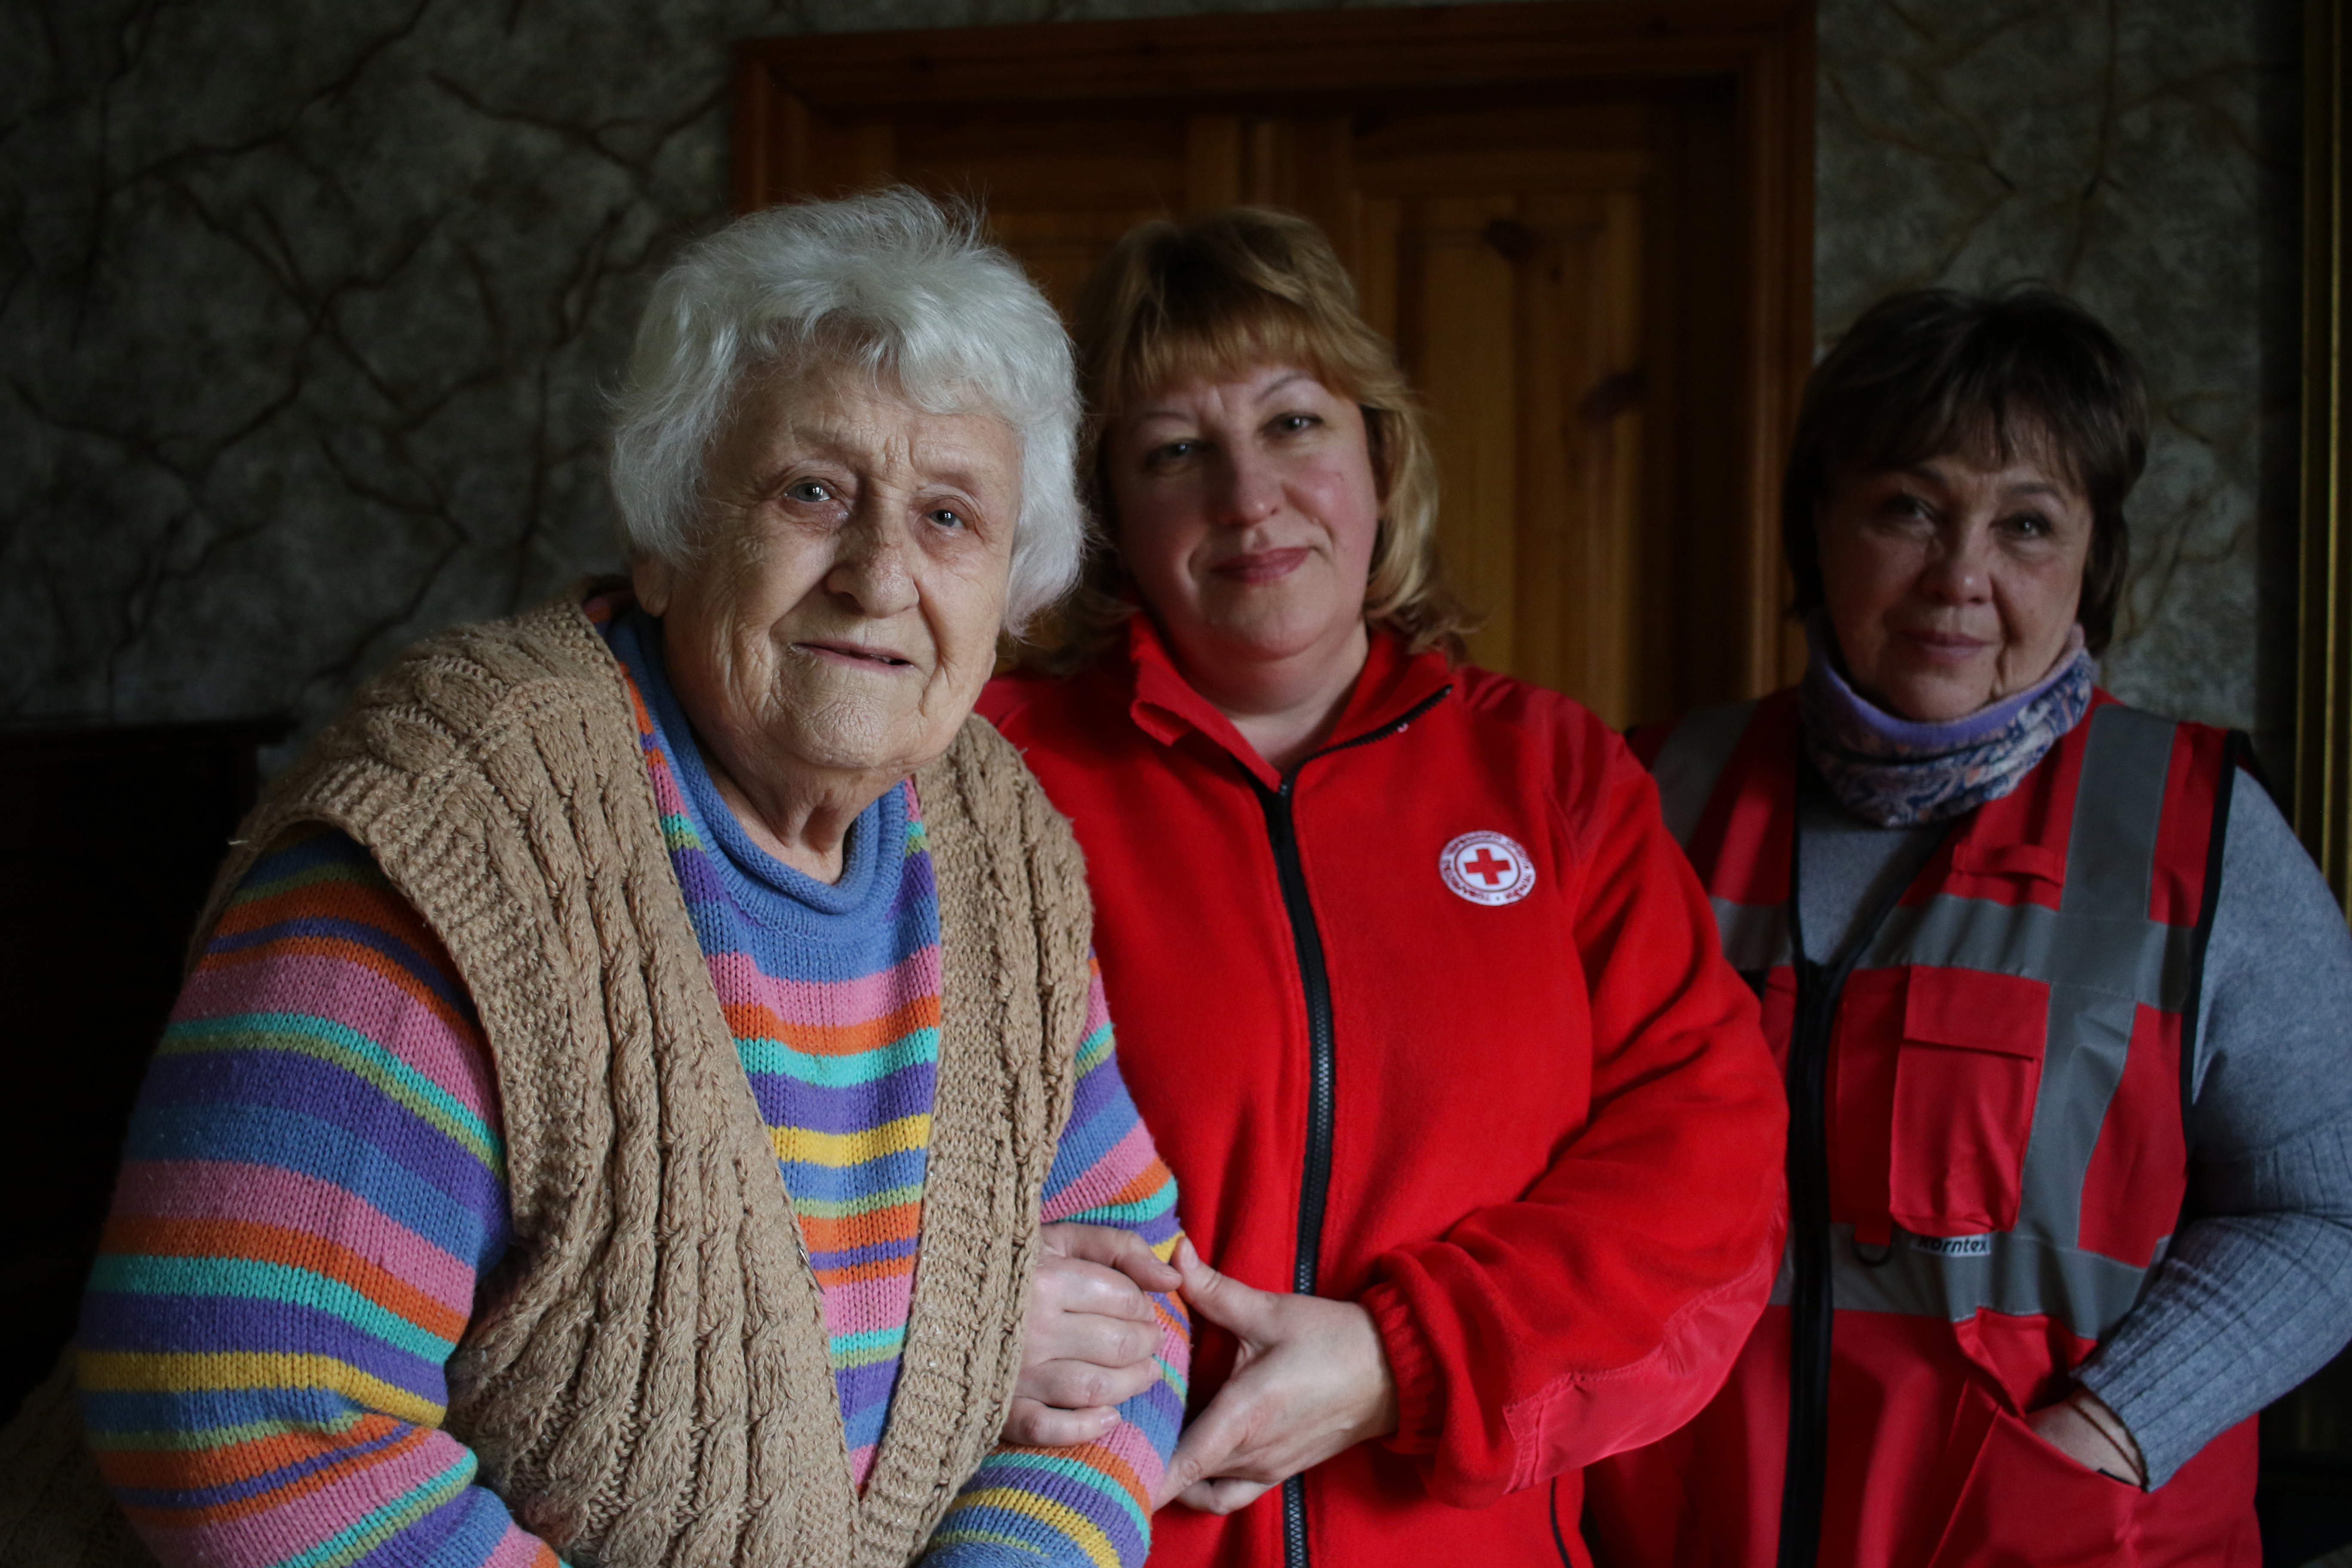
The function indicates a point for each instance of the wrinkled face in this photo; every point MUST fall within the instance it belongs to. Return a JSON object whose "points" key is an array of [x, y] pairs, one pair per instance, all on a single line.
{"points": [[1951, 584], [840, 612], [1247, 511]]}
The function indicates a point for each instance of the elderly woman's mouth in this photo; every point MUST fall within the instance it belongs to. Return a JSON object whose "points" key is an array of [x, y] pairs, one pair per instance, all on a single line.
{"points": [[853, 654]]}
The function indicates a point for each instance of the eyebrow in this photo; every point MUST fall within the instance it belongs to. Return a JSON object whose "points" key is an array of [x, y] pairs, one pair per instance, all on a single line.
{"points": [[1921, 472], [836, 445], [1140, 415], [1926, 474]]}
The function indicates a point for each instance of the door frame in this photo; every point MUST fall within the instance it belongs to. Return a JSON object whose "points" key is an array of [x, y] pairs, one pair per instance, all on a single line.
{"points": [[2323, 768], [1764, 48]]}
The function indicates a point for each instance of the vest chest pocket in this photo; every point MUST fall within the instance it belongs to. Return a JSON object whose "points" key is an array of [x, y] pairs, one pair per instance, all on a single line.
{"points": [[1964, 1078]]}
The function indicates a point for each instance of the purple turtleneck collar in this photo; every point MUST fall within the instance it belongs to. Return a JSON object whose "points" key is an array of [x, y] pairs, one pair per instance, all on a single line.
{"points": [[1896, 772]]}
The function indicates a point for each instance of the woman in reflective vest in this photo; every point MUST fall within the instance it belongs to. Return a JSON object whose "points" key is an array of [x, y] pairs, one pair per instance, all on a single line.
{"points": [[2062, 1009]]}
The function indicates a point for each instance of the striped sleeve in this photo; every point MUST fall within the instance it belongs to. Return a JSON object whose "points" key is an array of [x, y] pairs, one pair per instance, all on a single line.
{"points": [[1090, 1504], [312, 1182]]}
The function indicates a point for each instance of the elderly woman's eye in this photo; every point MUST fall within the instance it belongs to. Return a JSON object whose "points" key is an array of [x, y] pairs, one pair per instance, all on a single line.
{"points": [[810, 490], [948, 517]]}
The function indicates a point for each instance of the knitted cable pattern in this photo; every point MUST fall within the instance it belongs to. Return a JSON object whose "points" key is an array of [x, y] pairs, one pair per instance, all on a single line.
{"points": [[636, 1376]]}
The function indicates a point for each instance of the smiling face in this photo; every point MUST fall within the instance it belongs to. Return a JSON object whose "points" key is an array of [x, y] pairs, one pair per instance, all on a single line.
{"points": [[1952, 583], [834, 624], [1248, 511]]}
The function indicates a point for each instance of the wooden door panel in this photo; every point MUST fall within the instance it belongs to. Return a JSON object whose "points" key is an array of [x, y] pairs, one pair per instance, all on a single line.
{"points": [[1586, 225], [1080, 157], [1505, 168], [1519, 318], [1061, 246], [1455, 328], [1582, 440]]}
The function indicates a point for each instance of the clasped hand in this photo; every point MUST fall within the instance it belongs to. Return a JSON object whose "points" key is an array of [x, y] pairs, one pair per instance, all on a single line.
{"points": [[1311, 1377]]}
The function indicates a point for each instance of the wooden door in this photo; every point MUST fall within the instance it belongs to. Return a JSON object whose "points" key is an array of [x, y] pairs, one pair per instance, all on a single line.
{"points": [[1515, 296], [1585, 226]]}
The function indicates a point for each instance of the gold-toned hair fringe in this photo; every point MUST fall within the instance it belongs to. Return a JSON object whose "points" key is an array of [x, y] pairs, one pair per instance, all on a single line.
{"points": [[1214, 298]]}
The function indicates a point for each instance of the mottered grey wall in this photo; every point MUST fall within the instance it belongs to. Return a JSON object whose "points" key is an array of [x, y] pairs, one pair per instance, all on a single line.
{"points": [[306, 309]]}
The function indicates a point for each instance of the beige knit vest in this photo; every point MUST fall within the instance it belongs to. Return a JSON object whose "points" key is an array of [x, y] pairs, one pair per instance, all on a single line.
{"points": [[645, 1378]]}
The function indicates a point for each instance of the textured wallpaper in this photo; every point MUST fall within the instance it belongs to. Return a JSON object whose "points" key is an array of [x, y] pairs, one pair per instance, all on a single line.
{"points": [[306, 308], [2143, 155]]}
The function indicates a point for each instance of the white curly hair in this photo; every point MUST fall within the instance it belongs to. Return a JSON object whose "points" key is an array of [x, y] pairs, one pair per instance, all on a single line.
{"points": [[891, 281]]}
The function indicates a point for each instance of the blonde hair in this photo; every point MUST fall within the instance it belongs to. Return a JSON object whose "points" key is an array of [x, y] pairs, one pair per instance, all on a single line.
{"points": [[1216, 296]]}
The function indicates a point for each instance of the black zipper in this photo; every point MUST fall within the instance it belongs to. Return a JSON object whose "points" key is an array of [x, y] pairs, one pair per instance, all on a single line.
{"points": [[1819, 987], [1315, 1181], [1805, 1483], [1281, 830]]}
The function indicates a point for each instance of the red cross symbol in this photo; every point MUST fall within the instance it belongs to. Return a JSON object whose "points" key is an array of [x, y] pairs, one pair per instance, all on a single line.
{"points": [[1486, 869], [1489, 868]]}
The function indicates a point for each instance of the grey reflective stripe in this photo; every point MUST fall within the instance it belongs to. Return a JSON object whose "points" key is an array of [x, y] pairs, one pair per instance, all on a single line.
{"points": [[2118, 812], [2103, 958], [2139, 959], [1694, 757], [1755, 936], [2082, 1061], [2110, 865], [2017, 1275]]}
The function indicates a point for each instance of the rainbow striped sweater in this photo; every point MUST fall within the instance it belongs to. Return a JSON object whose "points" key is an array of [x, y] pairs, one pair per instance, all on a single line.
{"points": [[313, 1183]]}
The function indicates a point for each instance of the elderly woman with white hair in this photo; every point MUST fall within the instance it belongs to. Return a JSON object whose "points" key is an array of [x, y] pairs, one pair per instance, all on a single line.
{"points": [[628, 1060]]}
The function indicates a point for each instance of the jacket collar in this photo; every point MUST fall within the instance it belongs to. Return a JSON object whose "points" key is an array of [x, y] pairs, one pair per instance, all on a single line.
{"points": [[1165, 707]]}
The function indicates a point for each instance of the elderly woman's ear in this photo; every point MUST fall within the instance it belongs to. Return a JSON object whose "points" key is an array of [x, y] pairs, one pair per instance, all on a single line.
{"points": [[653, 578]]}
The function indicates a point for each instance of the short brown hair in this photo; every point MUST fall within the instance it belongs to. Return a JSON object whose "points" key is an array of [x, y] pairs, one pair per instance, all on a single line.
{"points": [[1219, 296], [1932, 371]]}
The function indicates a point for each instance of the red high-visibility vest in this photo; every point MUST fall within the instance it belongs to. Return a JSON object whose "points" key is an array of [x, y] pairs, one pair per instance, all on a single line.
{"points": [[1997, 1088]]}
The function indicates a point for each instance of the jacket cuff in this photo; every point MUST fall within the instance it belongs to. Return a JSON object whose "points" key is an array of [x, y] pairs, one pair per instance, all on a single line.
{"points": [[1420, 1416]]}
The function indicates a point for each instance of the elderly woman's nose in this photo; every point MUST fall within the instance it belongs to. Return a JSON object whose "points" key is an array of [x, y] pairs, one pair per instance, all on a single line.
{"points": [[873, 567]]}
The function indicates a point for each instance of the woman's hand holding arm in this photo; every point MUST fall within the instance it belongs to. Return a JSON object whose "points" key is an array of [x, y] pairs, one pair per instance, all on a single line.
{"points": [[1312, 1379], [1087, 1501], [1091, 1339]]}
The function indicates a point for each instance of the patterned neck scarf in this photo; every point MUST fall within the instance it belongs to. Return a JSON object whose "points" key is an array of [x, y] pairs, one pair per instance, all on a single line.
{"points": [[1898, 773]]}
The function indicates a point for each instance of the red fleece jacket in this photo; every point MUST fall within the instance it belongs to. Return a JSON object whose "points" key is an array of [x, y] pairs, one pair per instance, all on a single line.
{"points": [[1544, 1131]]}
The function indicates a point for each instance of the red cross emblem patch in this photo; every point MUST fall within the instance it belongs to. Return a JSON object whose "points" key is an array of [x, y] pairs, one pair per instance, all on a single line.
{"points": [[1488, 869]]}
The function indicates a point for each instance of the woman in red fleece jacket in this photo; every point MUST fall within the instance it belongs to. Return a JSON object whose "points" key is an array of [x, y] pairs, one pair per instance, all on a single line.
{"points": [[1421, 1001]]}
